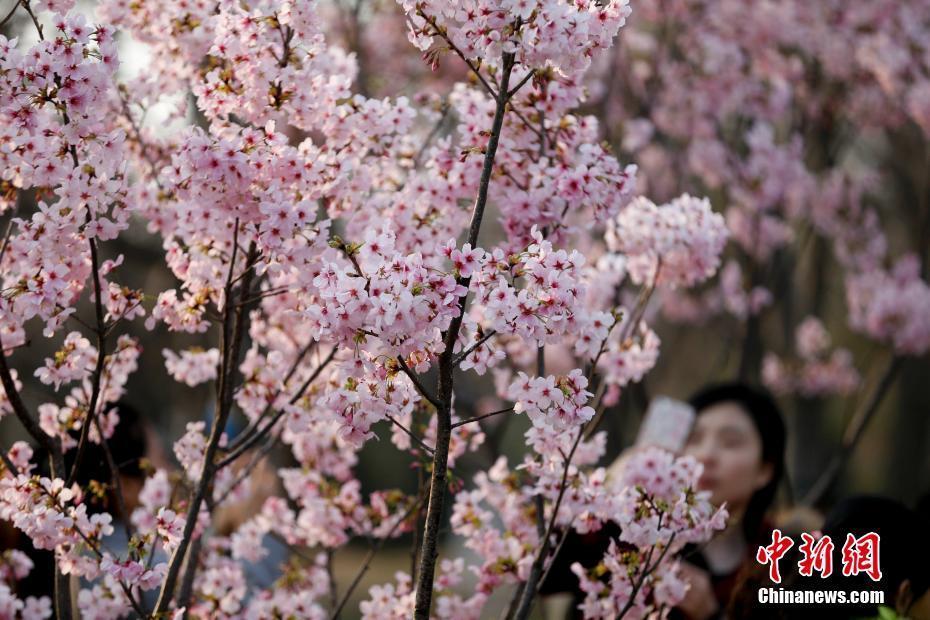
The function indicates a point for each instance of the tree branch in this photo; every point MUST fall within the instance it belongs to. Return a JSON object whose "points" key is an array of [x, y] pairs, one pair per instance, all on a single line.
{"points": [[853, 433], [481, 417], [251, 441], [224, 402], [366, 563]]}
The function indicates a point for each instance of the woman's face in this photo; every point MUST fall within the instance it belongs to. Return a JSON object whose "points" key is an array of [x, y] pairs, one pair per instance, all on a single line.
{"points": [[726, 442]]}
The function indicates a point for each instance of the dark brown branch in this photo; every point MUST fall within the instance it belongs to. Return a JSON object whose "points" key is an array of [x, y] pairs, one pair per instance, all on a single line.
{"points": [[418, 384], [10, 14], [452, 46], [529, 591], [426, 572], [244, 435], [410, 434], [366, 563], [11, 467], [19, 408], [513, 91], [481, 417], [853, 433], [255, 438], [100, 331], [227, 373], [461, 356]]}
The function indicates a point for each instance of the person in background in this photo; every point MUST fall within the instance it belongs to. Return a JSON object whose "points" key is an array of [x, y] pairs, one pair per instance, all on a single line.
{"points": [[739, 437]]}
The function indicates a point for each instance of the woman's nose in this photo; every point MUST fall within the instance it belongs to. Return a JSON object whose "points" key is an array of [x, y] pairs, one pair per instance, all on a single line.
{"points": [[705, 452]]}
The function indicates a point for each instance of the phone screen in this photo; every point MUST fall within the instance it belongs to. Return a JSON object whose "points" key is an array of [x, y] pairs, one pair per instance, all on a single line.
{"points": [[667, 424]]}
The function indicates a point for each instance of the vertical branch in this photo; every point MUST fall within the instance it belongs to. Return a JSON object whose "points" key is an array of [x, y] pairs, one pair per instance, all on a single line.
{"points": [[853, 433], [528, 593], [63, 609], [101, 333], [231, 342], [366, 563], [437, 489]]}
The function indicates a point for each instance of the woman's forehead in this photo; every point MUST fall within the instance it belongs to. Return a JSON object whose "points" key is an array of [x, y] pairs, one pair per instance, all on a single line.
{"points": [[725, 415]]}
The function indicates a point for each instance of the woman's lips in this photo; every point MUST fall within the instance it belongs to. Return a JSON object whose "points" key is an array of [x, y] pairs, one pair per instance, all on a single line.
{"points": [[706, 483]]}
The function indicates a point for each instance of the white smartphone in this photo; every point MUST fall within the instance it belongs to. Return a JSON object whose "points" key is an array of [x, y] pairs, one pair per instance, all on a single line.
{"points": [[666, 425]]}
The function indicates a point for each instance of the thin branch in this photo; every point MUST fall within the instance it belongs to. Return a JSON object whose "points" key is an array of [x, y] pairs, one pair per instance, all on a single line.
{"points": [[96, 549], [529, 591], [481, 417], [143, 147], [430, 551], [513, 91], [366, 563], [853, 433], [251, 441], [290, 373], [461, 356], [270, 293], [475, 69], [410, 434], [527, 123], [224, 405], [248, 469], [10, 14], [432, 134], [416, 382], [100, 330], [115, 482], [19, 408], [11, 467], [6, 238], [35, 22], [647, 570]]}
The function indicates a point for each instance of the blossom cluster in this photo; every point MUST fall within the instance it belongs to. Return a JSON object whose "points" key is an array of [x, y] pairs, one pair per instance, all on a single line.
{"points": [[677, 244], [819, 371], [328, 260], [892, 306], [658, 508], [558, 33]]}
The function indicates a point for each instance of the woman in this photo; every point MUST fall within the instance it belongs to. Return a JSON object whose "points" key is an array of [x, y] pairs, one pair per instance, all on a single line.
{"points": [[739, 437]]}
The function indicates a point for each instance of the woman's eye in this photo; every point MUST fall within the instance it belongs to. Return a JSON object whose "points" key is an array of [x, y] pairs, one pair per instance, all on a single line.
{"points": [[732, 443]]}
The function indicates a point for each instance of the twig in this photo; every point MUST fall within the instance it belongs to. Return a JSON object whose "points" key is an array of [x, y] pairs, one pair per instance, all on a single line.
{"points": [[475, 69], [251, 441], [19, 408], [10, 14], [432, 134], [853, 434], [410, 433], [290, 373], [461, 356], [115, 481], [529, 591], [481, 417], [8, 463], [416, 382], [647, 570], [426, 572], [224, 402], [513, 91], [366, 563], [101, 333]]}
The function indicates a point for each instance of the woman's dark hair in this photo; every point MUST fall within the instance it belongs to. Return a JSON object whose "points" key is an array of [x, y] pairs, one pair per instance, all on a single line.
{"points": [[766, 417]]}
